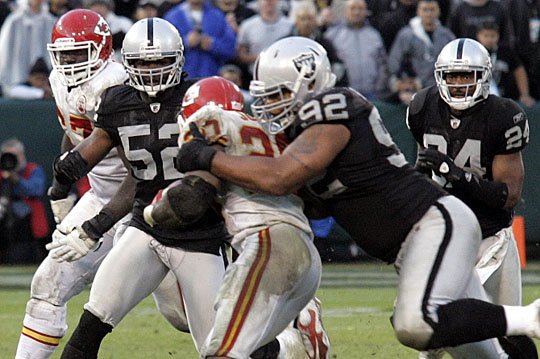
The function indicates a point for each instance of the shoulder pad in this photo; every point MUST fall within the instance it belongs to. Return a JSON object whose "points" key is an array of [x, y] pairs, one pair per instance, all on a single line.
{"points": [[418, 101], [118, 98]]}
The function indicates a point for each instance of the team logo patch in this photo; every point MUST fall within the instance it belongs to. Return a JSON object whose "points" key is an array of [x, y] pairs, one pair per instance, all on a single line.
{"points": [[154, 107], [454, 123], [518, 117], [81, 104], [308, 61]]}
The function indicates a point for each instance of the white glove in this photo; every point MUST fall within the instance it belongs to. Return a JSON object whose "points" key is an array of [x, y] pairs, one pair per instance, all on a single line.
{"points": [[61, 207], [68, 246]]}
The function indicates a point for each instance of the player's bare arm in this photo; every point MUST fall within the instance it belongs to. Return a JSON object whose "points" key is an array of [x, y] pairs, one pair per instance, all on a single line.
{"points": [[94, 148], [509, 169], [305, 158]]}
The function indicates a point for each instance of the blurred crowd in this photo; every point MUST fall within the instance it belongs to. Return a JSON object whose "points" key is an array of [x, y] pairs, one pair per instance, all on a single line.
{"points": [[385, 49]]}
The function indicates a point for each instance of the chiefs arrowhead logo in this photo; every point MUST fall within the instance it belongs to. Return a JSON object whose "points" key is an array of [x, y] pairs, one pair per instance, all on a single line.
{"points": [[103, 29]]}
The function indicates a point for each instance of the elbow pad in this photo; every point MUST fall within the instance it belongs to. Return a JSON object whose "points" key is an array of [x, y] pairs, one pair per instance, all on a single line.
{"points": [[493, 194], [69, 167]]}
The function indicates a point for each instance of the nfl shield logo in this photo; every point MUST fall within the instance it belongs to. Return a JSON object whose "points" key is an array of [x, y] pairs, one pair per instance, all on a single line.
{"points": [[154, 107], [455, 122]]}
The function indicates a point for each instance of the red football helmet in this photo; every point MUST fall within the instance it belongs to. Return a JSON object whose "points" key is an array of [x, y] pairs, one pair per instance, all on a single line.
{"points": [[212, 90], [78, 30]]}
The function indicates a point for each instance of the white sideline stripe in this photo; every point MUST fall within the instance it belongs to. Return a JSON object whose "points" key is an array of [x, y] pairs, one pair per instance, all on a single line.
{"points": [[331, 279], [346, 312]]}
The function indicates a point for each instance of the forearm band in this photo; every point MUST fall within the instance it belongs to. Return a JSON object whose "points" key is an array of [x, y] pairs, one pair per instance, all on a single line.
{"points": [[492, 194], [96, 226], [70, 167]]}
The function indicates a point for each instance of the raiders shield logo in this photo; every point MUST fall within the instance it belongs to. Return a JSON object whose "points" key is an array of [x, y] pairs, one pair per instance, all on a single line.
{"points": [[308, 61], [154, 107], [455, 122], [81, 104]]}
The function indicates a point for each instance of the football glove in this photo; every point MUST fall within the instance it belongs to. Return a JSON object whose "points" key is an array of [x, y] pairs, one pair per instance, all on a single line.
{"points": [[196, 154], [68, 246], [61, 207], [440, 163]]}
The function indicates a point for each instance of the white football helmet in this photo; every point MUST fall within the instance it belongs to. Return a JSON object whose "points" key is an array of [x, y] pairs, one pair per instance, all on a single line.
{"points": [[464, 55], [295, 66], [149, 40]]}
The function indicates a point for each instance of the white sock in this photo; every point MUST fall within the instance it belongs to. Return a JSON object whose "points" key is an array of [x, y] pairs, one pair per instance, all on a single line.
{"points": [[520, 320], [30, 348]]}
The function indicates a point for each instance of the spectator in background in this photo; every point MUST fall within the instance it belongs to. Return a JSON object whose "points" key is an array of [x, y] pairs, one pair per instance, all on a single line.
{"points": [[37, 85], [24, 228], [119, 25], [418, 45], [260, 31], [59, 7], [391, 22], [126, 8], [234, 74], [361, 48], [470, 14], [403, 86], [23, 39], [144, 10], [305, 24], [208, 39], [525, 18], [235, 13], [509, 76]]}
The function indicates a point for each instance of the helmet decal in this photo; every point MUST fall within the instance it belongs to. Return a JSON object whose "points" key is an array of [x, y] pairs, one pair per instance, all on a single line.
{"points": [[306, 60]]}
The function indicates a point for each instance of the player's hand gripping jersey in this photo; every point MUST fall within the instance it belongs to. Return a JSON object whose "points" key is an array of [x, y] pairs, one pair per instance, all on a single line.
{"points": [[246, 211], [76, 108]]}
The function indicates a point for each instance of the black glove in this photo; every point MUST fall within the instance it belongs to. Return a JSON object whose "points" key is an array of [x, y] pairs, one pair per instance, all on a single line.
{"points": [[440, 163], [196, 154]]}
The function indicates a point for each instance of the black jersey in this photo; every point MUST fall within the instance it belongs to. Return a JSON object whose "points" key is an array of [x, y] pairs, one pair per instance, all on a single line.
{"points": [[492, 127], [370, 188], [147, 129]]}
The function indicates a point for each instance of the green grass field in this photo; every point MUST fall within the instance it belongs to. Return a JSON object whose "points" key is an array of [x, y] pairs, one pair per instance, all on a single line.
{"points": [[357, 303]]}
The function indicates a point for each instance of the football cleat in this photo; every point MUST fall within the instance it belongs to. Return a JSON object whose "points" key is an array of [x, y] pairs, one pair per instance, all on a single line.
{"points": [[314, 336]]}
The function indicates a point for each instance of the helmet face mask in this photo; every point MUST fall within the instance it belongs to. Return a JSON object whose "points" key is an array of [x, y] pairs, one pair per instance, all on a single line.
{"points": [[459, 59], [160, 45], [285, 74], [78, 32]]}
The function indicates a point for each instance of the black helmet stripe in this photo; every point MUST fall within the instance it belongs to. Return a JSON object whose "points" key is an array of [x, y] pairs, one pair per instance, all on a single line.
{"points": [[150, 31], [460, 49]]}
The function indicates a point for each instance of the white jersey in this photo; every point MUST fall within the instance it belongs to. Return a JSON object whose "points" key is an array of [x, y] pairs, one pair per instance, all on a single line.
{"points": [[246, 211], [76, 108]]}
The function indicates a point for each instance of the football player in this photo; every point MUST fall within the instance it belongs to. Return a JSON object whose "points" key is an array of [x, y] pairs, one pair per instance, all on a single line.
{"points": [[140, 118], [470, 142], [80, 52], [342, 151], [278, 269]]}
